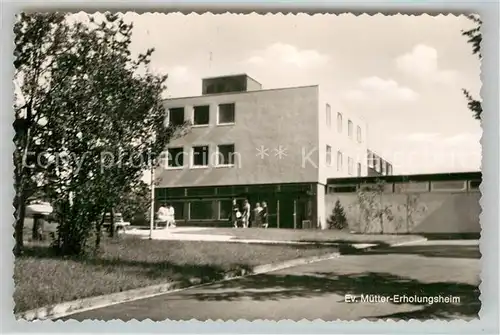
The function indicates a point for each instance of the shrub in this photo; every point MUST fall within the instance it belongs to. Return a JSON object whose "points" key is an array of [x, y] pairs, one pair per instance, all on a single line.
{"points": [[337, 220]]}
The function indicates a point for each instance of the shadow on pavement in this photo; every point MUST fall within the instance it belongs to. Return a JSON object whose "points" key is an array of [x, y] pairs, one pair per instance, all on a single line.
{"points": [[437, 250], [280, 287]]}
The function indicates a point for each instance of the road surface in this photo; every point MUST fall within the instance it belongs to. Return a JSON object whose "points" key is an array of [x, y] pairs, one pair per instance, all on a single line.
{"points": [[327, 290]]}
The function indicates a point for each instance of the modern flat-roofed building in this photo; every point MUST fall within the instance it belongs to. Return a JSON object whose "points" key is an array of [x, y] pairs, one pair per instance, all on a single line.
{"points": [[274, 145]]}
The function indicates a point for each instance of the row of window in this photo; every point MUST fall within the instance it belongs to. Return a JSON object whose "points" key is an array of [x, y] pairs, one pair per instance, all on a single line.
{"points": [[350, 124], [200, 156], [340, 159], [201, 115], [415, 187], [203, 209], [378, 164]]}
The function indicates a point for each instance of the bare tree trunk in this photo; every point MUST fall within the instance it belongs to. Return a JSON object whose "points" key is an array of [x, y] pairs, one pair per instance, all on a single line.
{"points": [[19, 226], [112, 222], [38, 227], [98, 233]]}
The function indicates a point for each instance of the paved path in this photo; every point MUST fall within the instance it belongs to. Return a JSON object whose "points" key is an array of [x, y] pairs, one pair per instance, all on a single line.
{"points": [[444, 268], [200, 234]]}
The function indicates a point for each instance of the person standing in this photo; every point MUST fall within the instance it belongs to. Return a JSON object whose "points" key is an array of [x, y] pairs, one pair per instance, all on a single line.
{"points": [[162, 215], [246, 213], [263, 215], [235, 214], [256, 222]]}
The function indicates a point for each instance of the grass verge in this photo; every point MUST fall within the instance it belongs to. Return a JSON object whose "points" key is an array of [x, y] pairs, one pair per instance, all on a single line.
{"points": [[127, 263]]}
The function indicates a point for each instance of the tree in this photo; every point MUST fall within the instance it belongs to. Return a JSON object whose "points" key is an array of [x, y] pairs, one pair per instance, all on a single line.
{"points": [[337, 219], [134, 205], [372, 209], [106, 125], [475, 38], [39, 40]]}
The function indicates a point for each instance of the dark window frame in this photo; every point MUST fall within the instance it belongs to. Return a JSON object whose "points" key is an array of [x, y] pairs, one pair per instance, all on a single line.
{"points": [[211, 206], [231, 156], [194, 156], [197, 108], [169, 158], [233, 113], [174, 110]]}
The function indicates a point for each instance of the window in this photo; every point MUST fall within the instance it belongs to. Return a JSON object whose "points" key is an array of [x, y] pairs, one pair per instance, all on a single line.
{"points": [[200, 156], [201, 115], [328, 115], [359, 169], [451, 185], [474, 185], [378, 163], [387, 187], [349, 128], [226, 114], [371, 160], [328, 155], [175, 157], [384, 167], [389, 169], [201, 210], [200, 191], [225, 154], [225, 209], [358, 134], [175, 192], [178, 209], [339, 161], [422, 186], [210, 89], [350, 165], [342, 189], [339, 122], [176, 116]]}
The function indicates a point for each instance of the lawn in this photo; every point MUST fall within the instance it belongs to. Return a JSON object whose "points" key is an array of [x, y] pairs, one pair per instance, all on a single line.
{"points": [[126, 263], [305, 235]]}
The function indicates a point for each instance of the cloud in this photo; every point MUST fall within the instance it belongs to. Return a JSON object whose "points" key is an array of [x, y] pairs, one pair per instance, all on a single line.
{"points": [[286, 54], [375, 88], [422, 63]]}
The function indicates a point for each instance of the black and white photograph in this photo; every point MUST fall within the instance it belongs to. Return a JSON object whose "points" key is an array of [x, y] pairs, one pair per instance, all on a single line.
{"points": [[246, 167]]}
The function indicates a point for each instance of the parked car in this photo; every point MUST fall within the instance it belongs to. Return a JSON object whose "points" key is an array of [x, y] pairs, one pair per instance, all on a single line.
{"points": [[120, 224]]}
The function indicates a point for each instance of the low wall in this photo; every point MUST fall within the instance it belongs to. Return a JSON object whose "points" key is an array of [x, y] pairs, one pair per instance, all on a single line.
{"points": [[425, 212]]}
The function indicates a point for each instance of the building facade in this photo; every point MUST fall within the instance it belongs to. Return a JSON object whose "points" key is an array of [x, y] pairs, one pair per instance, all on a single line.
{"points": [[245, 142]]}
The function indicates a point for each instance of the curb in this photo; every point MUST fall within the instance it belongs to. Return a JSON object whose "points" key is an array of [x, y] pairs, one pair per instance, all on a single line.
{"points": [[76, 306]]}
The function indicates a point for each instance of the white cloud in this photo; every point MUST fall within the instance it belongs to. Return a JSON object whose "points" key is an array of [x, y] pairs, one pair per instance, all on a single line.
{"points": [[422, 62], [375, 88], [286, 54]]}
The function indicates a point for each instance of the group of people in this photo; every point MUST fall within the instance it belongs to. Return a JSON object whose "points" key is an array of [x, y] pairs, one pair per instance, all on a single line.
{"points": [[246, 217], [240, 217], [166, 215]]}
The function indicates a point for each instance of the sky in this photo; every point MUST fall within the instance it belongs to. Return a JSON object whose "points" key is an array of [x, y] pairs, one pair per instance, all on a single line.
{"points": [[402, 74]]}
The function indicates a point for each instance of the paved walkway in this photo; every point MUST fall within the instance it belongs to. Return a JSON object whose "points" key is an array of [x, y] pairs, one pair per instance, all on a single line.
{"points": [[189, 234], [443, 269]]}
